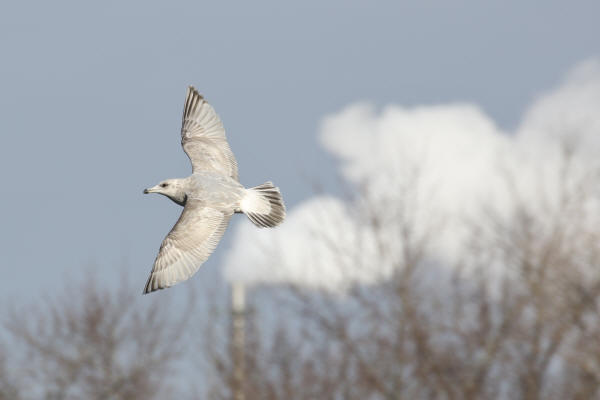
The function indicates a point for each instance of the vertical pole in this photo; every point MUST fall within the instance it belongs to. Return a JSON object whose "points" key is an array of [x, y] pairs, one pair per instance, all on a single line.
{"points": [[238, 312]]}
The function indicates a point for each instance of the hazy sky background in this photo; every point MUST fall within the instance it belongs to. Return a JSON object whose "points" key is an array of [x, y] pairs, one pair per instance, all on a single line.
{"points": [[91, 98]]}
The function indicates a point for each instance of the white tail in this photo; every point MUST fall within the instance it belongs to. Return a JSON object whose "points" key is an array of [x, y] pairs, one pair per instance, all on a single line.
{"points": [[263, 205]]}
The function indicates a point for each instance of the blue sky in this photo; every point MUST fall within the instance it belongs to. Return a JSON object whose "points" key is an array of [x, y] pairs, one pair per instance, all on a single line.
{"points": [[91, 97]]}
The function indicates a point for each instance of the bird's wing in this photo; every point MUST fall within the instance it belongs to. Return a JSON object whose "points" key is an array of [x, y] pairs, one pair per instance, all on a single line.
{"points": [[203, 137], [190, 242]]}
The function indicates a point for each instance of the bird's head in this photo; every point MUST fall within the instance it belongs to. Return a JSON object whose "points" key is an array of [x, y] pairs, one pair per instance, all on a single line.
{"points": [[172, 188]]}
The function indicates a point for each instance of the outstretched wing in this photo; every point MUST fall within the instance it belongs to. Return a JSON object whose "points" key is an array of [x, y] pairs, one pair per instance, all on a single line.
{"points": [[203, 137], [190, 242]]}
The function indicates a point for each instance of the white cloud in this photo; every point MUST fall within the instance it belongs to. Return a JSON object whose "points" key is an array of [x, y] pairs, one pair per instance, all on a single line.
{"points": [[286, 246], [570, 113], [459, 158]]}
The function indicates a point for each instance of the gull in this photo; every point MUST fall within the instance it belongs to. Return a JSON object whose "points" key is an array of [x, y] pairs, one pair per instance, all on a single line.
{"points": [[210, 196]]}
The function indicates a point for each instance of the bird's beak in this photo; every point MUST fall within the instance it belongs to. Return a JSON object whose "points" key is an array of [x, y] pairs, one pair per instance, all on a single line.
{"points": [[150, 190]]}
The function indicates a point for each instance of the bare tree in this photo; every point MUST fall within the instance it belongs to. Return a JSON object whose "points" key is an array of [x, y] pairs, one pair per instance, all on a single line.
{"points": [[9, 389], [92, 342], [517, 316]]}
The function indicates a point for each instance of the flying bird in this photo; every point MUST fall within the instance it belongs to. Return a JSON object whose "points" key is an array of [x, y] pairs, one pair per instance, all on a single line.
{"points": [[210, 196]]}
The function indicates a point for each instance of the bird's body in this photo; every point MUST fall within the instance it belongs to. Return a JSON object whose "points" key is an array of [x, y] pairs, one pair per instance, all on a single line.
{"points": [[220, 192], [223, 192], [210, 196]]}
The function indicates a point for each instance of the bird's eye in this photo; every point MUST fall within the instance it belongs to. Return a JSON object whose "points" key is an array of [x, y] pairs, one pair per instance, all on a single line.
{"points": [[164, 184]]}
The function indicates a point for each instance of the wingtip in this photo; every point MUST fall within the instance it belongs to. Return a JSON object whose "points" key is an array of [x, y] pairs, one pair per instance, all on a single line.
{"points": [[193, 91], [148, 288]]}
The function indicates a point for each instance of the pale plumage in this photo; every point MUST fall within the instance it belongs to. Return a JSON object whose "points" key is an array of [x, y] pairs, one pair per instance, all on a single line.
{"points": [[203, 137], [210, 196]]}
